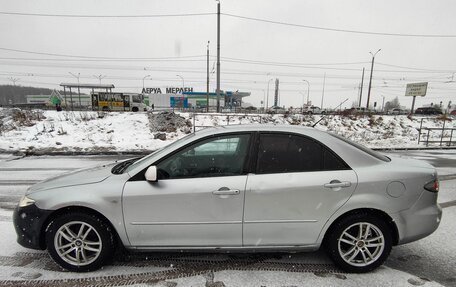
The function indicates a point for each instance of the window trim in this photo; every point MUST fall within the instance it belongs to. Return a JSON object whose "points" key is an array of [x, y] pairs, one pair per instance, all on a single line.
{"points": [[256, 165], [140, 176]]}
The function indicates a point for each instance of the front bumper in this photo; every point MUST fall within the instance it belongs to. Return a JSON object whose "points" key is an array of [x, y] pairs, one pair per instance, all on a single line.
{"points": [[419, 221], [28, 222]]}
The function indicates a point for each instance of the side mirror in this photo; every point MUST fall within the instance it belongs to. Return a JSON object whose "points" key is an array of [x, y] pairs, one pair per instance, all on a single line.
{"points": [[151, 173]]}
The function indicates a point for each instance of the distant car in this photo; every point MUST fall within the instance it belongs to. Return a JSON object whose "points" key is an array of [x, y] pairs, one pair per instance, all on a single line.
{"points": [[397, 111], [312, 110], [353, 111], [276, 110], [453, 113], [428, 111], [244, 188], [250, 109]]}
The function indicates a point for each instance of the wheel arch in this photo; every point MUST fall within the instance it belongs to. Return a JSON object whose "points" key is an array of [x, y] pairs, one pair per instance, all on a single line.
{"points": [[369, 211], [69, 209]]}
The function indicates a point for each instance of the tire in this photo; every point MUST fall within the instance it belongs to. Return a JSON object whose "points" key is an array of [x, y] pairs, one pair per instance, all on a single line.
{"points": [[86, 249], [135, 109], [353, 253]]}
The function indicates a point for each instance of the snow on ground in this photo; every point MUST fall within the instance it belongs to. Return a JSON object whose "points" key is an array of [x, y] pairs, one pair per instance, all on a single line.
{"points": [[89, 131]]}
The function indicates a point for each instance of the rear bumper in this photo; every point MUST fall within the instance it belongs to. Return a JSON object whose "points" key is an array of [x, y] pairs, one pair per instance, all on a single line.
{"points": [[28, 222], [419, 221]]}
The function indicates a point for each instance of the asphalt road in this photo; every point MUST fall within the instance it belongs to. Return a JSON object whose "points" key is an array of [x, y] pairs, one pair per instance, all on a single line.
{"points": [[17, 174]]}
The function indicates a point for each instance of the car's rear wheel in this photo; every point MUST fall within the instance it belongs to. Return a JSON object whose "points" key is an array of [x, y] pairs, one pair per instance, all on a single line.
{"points": [[80, 242], [359, 243]]}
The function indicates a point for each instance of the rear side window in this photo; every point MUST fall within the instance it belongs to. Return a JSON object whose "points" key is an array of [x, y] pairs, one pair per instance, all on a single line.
{"points": [[362, 148], [280, 153]]}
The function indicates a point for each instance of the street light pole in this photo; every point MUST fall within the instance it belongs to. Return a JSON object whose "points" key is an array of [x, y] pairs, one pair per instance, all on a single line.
{"points": [[323, 92], [99, 77], [218, 56], [144, 78], [79, 91], [308, 92], [383, 103], [183, 83], [207, 79], [370, 80]]}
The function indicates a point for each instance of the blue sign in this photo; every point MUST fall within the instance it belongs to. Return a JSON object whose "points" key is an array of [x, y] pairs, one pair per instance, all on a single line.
{"points": [[178, 102]]}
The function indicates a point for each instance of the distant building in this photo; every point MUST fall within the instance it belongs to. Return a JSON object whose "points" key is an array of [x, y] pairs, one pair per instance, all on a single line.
{"points": [[190, 99]]}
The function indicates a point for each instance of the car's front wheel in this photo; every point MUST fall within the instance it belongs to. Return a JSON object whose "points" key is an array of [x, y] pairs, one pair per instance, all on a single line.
{"points": [[359, 243], [80, 242]]}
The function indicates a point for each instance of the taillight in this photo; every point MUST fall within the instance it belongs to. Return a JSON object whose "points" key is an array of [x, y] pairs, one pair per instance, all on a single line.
{"points": [[432, 186]]}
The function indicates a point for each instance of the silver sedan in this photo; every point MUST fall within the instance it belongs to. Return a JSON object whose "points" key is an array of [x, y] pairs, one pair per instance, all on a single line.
{"points": [[253, 187]]}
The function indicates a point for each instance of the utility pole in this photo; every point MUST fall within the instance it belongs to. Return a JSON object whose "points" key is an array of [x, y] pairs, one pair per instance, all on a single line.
{"points": [[370, 80], [14, 80], [207, 79], [361, 90], [218, 56], [323, 93]]}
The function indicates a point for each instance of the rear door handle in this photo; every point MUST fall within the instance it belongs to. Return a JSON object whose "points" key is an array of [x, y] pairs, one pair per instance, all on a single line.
{"points": [[226, 191], [337, 184]]}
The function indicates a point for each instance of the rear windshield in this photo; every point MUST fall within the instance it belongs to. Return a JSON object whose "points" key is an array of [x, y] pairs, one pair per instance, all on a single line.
{"points": [[375, 154]]}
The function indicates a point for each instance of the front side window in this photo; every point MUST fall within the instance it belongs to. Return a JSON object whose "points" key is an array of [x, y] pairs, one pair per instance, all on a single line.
{"points": [[217, 156], [279, 153]]}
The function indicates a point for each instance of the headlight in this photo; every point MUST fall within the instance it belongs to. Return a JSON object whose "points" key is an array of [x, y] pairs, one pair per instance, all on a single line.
{"points": [[25, 201]]}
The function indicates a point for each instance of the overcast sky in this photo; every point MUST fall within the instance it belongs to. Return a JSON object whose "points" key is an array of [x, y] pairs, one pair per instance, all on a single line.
{"points": [[177, 46]]}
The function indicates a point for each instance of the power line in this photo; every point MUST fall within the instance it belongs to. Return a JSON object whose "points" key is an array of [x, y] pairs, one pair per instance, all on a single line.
{"points": [[418, 69], [233, 16], [106, 16], [101, 60], [339, 30], [203, 58], [95, 57], [193, 70]]}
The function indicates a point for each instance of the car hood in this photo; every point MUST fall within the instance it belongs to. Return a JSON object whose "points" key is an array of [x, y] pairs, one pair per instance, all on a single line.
{"points": [[78, 177]]}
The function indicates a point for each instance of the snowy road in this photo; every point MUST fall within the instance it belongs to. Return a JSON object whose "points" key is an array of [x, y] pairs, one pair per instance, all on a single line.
{"points": [[428, 262]]}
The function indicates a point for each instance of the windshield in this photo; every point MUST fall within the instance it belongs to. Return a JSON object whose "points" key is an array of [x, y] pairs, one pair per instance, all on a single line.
{"points": [[139, 162]]}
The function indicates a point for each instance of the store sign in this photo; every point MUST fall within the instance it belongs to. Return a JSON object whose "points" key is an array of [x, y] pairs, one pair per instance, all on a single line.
{"points": [[167, 90]]}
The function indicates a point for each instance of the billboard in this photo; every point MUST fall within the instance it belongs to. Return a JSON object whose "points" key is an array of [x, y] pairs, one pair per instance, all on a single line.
{"points": [[416, 89]]}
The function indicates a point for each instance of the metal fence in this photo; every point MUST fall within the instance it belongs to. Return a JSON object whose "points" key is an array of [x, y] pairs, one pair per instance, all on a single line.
{"points": [[445, 138]]}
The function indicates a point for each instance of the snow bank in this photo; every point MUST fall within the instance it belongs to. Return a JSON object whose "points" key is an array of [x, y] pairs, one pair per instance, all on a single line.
{"points": [[87, 131]]}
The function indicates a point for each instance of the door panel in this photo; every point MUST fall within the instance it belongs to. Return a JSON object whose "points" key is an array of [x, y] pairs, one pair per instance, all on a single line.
{"points": [[290, 209], [184, 212]]}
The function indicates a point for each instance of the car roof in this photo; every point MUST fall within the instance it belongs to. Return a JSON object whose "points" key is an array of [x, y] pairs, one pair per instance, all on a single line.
{"points": [[258, 127]]}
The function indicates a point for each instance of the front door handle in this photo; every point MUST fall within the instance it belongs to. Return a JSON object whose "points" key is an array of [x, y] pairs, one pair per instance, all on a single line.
{"points": [[226, 191], [337, 184]]}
